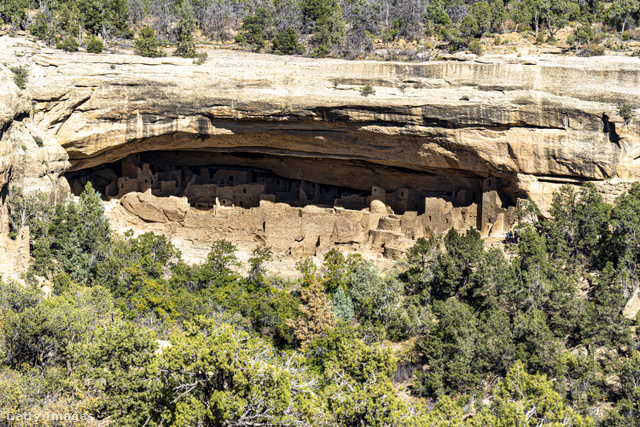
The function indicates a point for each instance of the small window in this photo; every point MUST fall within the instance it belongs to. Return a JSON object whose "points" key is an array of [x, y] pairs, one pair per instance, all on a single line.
{"points": [[277, 182], [429, 218], [244, 190], [230, 179]]}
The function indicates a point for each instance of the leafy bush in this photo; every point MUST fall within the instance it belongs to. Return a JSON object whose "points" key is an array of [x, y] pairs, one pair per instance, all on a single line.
{"points": [[592, 49], [475, 47], [38, 141], [329, 25], [20, 76], [625, 111], [252, 30], [367, 90], [469, 26], [147, 45], [202, 58], [95, 45], [286, 42], [69, 44], [342, 305], [186, 24]]}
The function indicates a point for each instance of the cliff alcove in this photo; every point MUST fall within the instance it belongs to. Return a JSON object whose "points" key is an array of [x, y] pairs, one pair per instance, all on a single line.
{"points": [[297, 205], [440, 144], [209, 178]]}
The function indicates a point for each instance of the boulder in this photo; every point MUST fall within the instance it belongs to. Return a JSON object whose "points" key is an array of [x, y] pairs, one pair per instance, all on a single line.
{"points": [[156, 209]]}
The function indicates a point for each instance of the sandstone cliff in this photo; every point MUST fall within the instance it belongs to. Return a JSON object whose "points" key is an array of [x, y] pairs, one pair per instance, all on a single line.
{"points": [[533, 123], [30, 157]]}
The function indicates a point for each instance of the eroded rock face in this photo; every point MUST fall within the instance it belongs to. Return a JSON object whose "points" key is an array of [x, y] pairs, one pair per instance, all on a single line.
{"points": [[29, 157], [483, 132], [534, 123]]}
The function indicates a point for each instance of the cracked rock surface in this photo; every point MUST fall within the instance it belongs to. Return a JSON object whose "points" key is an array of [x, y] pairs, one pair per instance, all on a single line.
{"points": [[535, 123]]}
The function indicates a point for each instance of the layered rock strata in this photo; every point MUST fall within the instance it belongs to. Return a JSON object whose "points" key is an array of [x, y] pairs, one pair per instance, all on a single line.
{"points": [[485, 132]]}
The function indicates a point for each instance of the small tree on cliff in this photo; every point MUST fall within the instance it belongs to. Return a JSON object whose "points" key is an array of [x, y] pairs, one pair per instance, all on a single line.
{"points": [[253, 32], [27, 210], [147, 44], [186, 25]]}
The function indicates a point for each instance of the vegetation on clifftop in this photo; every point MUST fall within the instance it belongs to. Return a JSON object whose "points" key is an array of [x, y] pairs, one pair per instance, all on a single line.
{"points": [[345, 28]]}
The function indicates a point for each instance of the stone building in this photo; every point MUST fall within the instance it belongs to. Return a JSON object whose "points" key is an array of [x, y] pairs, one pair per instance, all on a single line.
{"points": [[207, 186]]}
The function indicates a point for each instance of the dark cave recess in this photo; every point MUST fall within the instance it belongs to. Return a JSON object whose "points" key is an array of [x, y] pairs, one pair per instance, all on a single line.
{"points": [[244, 179]]}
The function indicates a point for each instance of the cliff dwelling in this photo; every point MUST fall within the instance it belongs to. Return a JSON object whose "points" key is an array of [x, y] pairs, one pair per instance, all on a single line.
{"points": [[296, 205]]}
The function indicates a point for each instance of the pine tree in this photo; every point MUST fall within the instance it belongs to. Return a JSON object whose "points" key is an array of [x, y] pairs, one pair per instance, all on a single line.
{"points": [[186, 25], [147, 44], [316, 315], [253, 31]]}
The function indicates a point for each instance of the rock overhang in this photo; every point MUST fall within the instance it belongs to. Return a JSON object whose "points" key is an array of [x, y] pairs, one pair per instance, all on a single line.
{"points": [[507, 117]]}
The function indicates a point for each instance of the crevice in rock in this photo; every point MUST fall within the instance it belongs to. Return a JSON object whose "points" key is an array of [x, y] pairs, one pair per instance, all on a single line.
{"points": [[609, 127], [17, 118]]}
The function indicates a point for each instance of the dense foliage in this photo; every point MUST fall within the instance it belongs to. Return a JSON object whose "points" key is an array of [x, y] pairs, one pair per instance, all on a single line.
{"points": [[532, 334], [342, 27]]}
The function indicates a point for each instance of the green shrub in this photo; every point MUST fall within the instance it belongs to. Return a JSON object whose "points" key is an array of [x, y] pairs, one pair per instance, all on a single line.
{"points": [[186, 48], [40, 27], [147, 44], [475, 47], [367, 90], [286, 42], [342, 305], [186, 24], [469, 26], [128, 34], [95, 45], [70, 44], [592, 49], [625, 111], [38, 141], [252, 30], [202, 58], [20, 76]]}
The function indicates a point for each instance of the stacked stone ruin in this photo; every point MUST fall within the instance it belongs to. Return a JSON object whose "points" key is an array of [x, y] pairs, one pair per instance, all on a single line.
{"points": [[384, 221]]}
